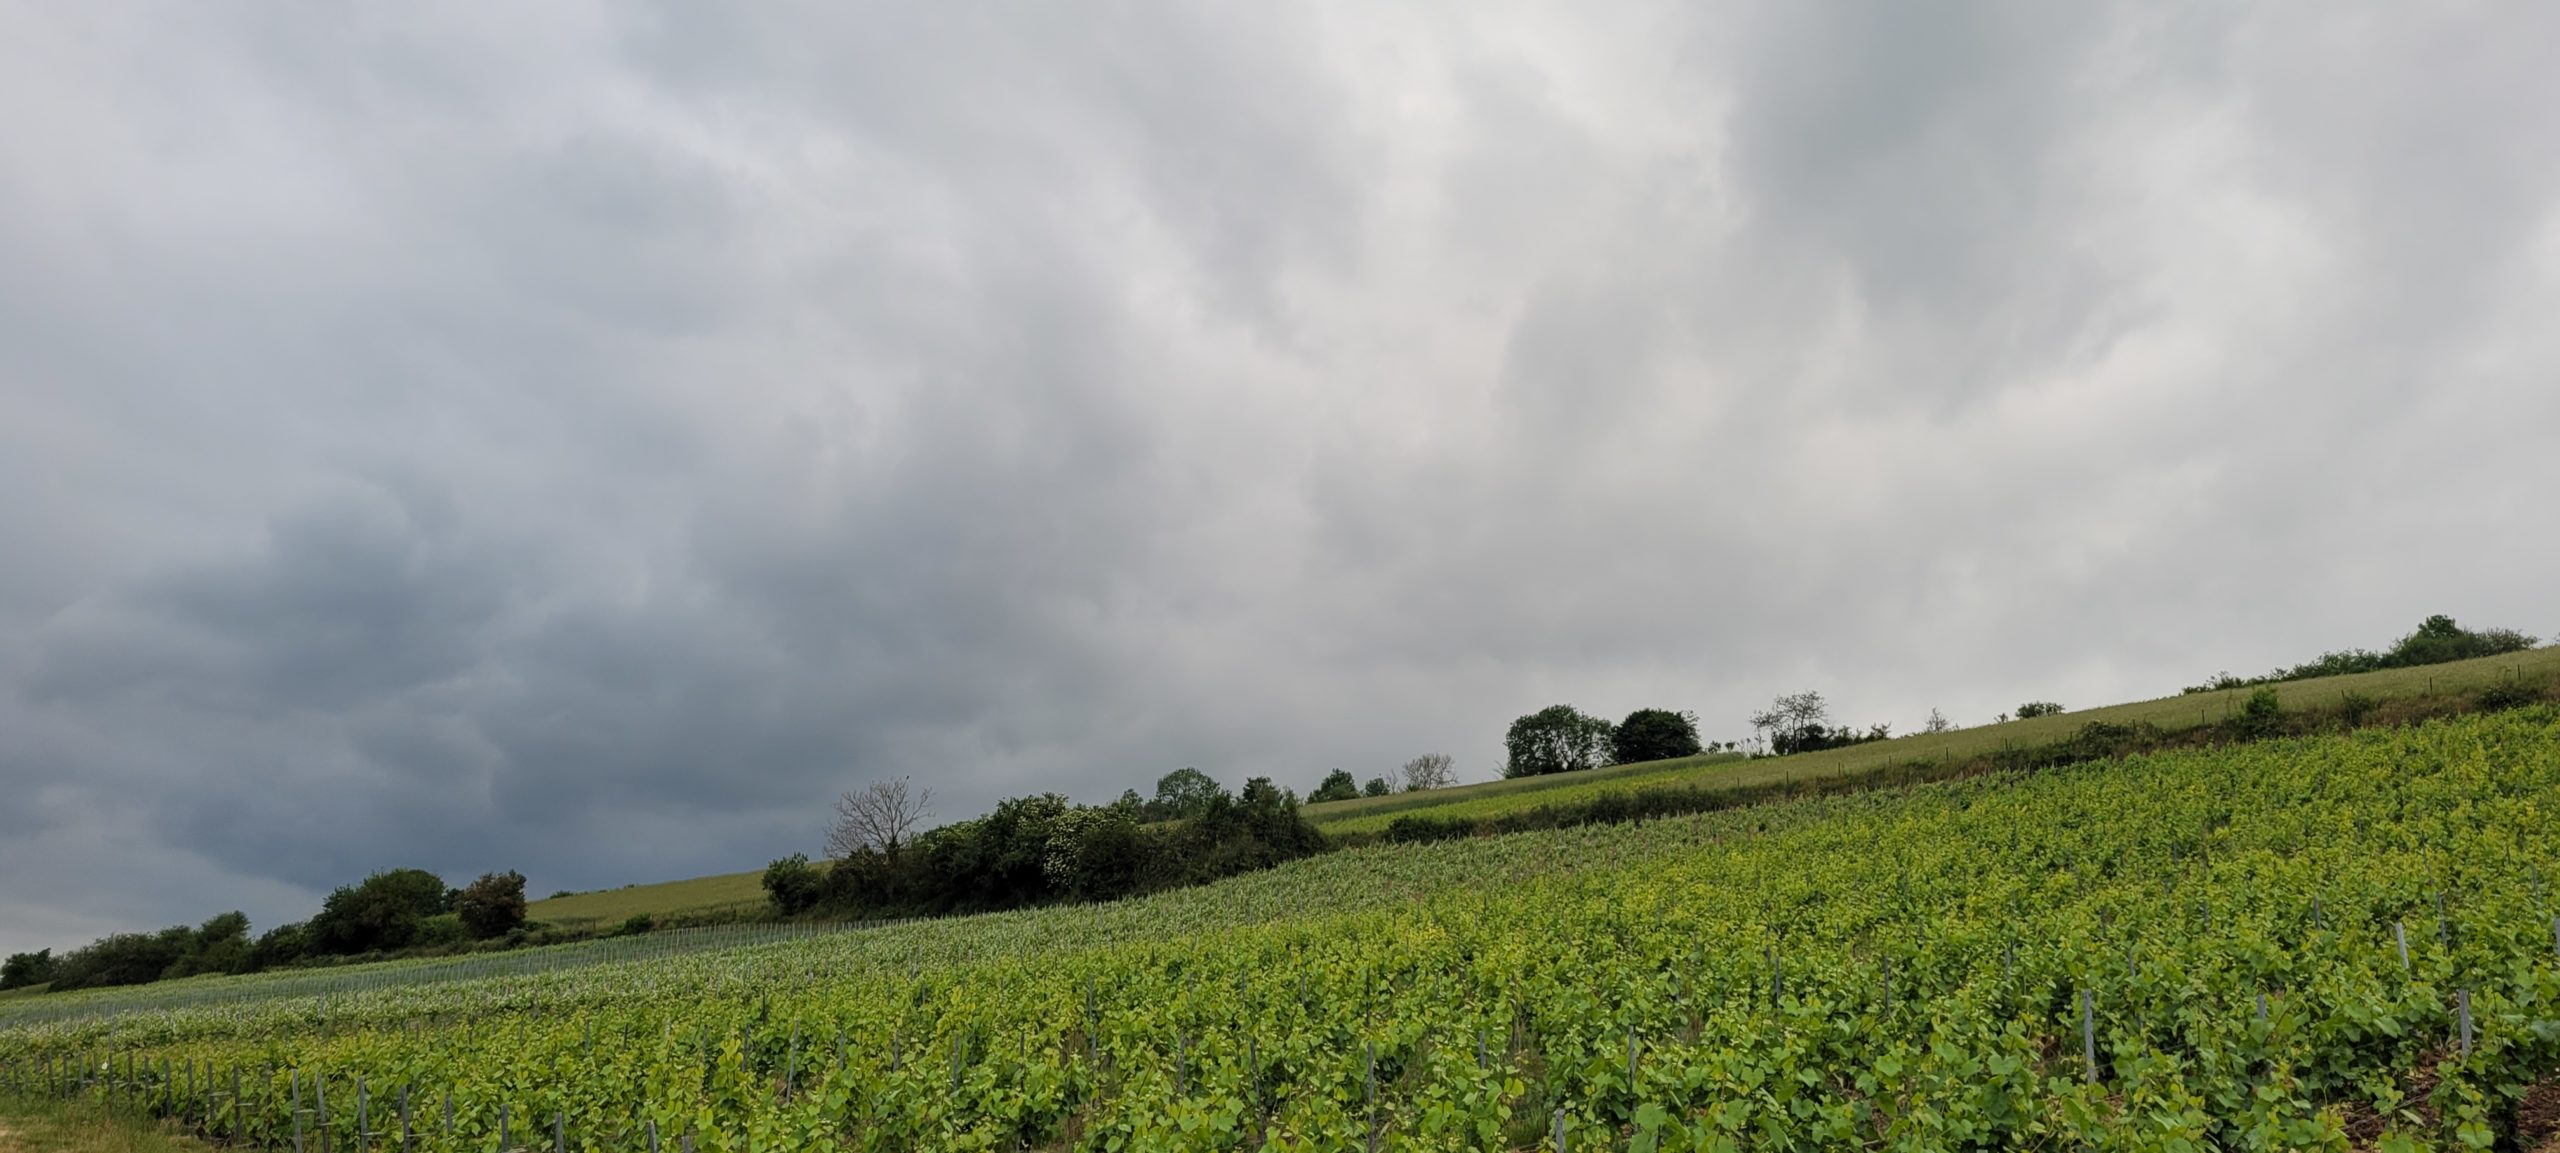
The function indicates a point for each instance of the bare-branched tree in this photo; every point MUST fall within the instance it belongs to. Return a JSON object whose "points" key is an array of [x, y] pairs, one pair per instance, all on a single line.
{"points": [[1428, 771], [882, 816]]}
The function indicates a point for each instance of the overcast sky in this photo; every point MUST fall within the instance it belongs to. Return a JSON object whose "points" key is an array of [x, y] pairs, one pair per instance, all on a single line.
{"points": [[586, 439]]}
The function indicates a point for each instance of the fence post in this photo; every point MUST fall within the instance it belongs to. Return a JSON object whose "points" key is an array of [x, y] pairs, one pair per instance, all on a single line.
{"points": [[2089, 1033]]}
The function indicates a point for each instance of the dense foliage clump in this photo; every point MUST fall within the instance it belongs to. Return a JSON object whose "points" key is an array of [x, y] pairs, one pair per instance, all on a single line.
{"points": [[2438, 640]]}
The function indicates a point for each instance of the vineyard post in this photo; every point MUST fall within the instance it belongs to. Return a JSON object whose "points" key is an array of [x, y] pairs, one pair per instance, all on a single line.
{"points": [[2262, 1008], [2462, 1008], [2400, 936], [408, 1135], [320, 1102], [2089, 1034], [1373, 1097], [559, 1132], [364, 1135], [448, 1114], [652, 1125], [236, 1129], [1560, 1131], [296, 1083]]}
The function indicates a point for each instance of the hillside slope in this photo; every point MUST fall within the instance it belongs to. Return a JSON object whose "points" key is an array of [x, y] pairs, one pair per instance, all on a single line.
{"points": [[2334, 942], [739, 894]]}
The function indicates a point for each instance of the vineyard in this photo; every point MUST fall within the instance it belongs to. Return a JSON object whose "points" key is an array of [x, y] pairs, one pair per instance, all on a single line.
{"points": [[2342, 942], [2411, 687]]}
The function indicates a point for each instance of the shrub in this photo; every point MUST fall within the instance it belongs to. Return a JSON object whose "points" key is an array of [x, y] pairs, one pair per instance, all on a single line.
{"points": [[443, 930], [794, 885], [2354, 708], [2033, 709], [2261, 713], [636, 924], [2511, 695], [1377, 787]]}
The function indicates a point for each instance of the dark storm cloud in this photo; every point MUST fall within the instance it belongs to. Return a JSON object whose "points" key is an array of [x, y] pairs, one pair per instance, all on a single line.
{"points": [[586, 441]]}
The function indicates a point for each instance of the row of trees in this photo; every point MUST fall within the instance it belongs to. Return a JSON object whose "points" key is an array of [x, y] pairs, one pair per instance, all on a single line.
{"points": [[387, 912], [1040, 849], [1428, 771], [1562, 739], [2437, 640]]}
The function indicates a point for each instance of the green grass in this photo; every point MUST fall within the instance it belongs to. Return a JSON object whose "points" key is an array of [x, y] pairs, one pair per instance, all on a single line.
{"points": [[703, 898], [37, 1125], [1370, 815]]}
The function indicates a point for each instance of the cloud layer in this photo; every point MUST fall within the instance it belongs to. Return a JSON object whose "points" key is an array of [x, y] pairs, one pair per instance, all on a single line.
{"points": [[585, 440]]}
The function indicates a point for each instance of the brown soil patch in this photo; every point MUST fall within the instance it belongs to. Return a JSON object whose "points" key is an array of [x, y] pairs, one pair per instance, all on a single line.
{"points": [[2538, 1117]]}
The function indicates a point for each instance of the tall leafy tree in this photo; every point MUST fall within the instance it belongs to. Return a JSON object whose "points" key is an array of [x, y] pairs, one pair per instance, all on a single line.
{"points": [[493, 905], [1555, 739], [381, 912], [1653, 735]]}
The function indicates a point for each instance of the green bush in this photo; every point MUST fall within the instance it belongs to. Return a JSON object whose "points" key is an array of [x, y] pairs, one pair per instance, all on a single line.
{"points": [[443, 930], [794, 884], [2261, 713], [636, 924], [2033, 709], [2511, 695]]}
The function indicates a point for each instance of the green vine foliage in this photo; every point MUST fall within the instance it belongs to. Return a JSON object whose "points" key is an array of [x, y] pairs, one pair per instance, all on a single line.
{"points": [[1892, 971]]}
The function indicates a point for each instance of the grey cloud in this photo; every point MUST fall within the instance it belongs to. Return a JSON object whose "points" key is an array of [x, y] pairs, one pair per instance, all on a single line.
{"points": [[585, 442]]}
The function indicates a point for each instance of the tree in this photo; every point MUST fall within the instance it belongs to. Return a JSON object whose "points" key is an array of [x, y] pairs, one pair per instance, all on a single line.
{"points": [[1555, 739], [383, 912], [1791, 718], [220, 945], [794, 885], [1937, 723], [24, 969], [1338, 786], [492, 905], [2033, 709], [2439, 640], [1377, 787], [1428, 771], [1184, 793], [1653, 735], [881, 816]]}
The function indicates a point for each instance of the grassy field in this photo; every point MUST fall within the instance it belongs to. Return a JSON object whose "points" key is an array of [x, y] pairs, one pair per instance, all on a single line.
{"points": [[2170, 714], [34, 1125], [701, 897]]}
